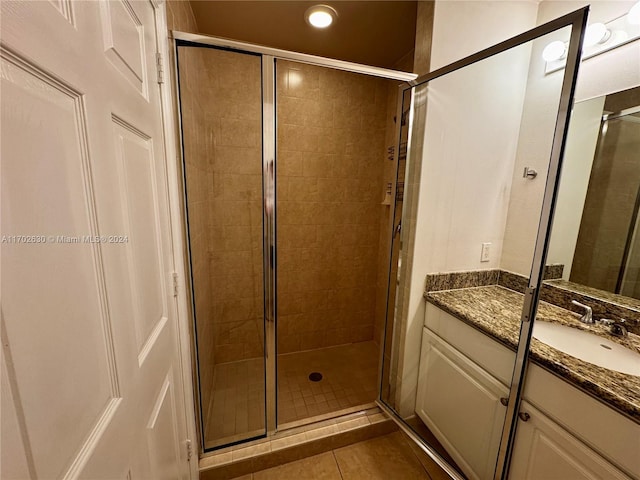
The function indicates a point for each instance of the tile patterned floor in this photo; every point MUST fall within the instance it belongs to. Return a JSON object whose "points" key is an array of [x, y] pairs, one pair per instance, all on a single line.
{"points": [[236, 410], [390, 457], [349, 378]]}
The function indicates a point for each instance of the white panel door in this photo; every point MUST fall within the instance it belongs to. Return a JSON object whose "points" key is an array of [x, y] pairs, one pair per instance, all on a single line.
{"points": [[91, 380]]}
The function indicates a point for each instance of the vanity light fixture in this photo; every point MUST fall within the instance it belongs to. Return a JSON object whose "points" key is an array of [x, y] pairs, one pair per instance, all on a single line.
{"points": [[554, 51], [596, 33], [633, 17], [320, 16], [598, 38]]}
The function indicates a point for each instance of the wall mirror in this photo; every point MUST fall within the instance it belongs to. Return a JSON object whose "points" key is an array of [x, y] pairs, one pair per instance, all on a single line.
{"points": [[595, 233]]}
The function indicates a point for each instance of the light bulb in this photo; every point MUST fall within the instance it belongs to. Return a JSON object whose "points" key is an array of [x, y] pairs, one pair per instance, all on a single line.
{"points": [[633, 17], [320, 16], [554, 51], [320, 19], [596, 33]]}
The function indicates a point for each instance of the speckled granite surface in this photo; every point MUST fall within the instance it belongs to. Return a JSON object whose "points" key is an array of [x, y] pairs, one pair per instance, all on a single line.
{"points": [[496, 310], [451, 280], [555, 291], [477, 278]]}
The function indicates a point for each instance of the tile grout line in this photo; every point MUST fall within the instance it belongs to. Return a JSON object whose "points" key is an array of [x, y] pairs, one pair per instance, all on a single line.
{"points": [[426, 470], [335, 459]]}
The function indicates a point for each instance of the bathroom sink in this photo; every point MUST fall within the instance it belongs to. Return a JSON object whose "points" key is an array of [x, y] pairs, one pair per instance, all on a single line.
{"points": [[589, 347]]}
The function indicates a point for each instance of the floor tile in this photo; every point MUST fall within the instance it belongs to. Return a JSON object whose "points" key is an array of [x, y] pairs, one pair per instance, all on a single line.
{"points": [[421, 429], [318, 467], [236, 410], [382, 458]]}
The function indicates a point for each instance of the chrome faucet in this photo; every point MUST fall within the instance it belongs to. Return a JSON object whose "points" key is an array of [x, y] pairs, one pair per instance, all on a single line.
{"points": [[587, 317], [618, 327]]}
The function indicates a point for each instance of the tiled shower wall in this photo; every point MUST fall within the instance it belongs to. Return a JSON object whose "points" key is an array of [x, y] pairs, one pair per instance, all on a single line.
{"points": [[332, 174], [221, 114], [330, 185]]}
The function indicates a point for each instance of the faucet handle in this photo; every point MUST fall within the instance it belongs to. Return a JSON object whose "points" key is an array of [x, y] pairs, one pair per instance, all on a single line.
{"points": [[619, 328], [587, 317], [606, 321]]}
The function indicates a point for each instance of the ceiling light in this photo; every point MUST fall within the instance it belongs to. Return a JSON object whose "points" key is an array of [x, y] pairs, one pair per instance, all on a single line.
{"points": [[596, 33], [320, 16], [633, 17], [554, 51]]}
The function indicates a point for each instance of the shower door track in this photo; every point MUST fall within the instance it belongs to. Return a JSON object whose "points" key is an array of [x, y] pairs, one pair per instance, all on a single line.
{"points": [[269, 164]]}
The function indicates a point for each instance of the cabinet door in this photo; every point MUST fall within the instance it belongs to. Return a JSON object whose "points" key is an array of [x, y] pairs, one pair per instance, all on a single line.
{"points": [[460, 403], [545, 451]]}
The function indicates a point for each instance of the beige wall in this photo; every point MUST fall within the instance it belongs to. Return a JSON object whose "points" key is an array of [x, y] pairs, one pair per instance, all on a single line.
{"points": [[331, 160]]}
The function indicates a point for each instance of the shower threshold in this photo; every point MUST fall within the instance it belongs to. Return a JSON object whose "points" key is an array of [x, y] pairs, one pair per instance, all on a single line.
{"points": [[348, 384], [295, 442]]}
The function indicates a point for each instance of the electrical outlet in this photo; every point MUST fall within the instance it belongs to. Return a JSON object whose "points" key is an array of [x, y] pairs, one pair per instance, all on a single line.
{"points": [[485, 254]]}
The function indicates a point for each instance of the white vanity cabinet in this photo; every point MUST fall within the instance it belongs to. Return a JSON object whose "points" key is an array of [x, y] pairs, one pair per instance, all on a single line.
{"points": [[569, 435]]}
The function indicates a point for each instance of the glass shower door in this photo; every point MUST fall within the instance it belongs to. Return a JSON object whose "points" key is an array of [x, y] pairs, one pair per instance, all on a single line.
{"points": [[221, 112], [472, 244]]}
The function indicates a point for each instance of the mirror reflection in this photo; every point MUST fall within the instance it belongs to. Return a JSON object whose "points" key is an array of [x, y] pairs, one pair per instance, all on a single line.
{"points": [[595, 234]]}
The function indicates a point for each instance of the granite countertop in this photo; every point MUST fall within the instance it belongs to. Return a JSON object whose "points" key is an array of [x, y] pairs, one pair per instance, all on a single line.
{"points": [[496, 310]]}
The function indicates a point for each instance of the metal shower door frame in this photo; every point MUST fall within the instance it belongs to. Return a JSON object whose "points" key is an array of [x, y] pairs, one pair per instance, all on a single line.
{"points": [[269, 58], [577, 20]]}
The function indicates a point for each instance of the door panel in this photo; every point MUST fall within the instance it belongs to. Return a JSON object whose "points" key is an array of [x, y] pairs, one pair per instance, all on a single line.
{"points": [[545, 451], [123, 42], [136, 168], [460, 403], [47, 194], [91, 385], [165, 457]]}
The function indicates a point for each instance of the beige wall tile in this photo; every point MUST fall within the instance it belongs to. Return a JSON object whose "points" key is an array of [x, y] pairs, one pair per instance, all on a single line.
{"points": [[330, 180]]}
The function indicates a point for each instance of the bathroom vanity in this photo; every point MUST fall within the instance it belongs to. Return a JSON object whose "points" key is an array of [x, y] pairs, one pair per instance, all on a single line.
{"points": [[577, 420]]}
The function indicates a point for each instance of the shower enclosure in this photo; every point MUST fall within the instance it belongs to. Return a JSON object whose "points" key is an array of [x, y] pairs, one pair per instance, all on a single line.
{"points": [[309, 276], [286, 165]]}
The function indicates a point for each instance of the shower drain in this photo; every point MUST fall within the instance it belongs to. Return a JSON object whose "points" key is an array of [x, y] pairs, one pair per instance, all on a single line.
{"points": [[315, 376]]}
